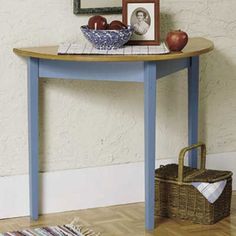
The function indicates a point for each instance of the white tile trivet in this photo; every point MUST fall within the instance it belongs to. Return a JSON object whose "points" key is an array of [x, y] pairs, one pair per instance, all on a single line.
{"points": [[77, 48]]}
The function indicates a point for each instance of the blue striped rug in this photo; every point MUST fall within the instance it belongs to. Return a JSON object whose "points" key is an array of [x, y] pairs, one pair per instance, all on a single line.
{"points": [[64, 230]]}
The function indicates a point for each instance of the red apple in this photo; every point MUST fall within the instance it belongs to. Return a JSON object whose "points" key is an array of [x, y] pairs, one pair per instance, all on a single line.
{"points": [[97, 23], [176, 40], [116, 25]]}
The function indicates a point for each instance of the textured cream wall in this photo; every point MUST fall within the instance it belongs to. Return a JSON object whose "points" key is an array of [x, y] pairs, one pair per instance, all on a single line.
{"points": [[101, 123]]}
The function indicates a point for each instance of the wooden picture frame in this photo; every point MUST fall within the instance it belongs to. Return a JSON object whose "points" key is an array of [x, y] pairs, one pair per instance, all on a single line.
{"points": [[144, 16], [105, 10]]}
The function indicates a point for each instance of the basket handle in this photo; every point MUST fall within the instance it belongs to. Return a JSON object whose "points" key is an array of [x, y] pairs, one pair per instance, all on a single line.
{"points": [[182, 155]]}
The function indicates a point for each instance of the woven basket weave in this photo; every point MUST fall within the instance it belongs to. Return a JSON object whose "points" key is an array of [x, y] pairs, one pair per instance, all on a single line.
{"points": [[175, 197]]}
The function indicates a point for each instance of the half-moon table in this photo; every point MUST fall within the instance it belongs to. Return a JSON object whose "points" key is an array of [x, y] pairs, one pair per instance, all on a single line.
{"points": [[44, 62]]}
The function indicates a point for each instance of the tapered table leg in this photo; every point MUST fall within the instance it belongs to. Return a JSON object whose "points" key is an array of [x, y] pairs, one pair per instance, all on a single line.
{"points": [[150, 134], [33, 77], [193, 96]]}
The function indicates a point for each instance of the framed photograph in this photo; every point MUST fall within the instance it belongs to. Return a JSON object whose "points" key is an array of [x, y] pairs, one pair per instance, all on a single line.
{"points": [[97, 7], [144, 16]]}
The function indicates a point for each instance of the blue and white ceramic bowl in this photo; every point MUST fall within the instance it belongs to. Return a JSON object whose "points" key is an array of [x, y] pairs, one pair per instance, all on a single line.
{"points": [[107, 39]]}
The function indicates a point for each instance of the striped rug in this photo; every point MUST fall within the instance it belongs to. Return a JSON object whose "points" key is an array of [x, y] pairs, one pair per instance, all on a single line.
{"points": [[63, 230]]}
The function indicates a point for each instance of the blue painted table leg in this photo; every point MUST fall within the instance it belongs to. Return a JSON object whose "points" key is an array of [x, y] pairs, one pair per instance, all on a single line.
{"points": [[193, 94], [150, 133], [33, 77]]}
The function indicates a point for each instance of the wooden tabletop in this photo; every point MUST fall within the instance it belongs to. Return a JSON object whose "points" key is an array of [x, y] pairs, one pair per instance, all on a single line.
{"points": [[195, 47]]}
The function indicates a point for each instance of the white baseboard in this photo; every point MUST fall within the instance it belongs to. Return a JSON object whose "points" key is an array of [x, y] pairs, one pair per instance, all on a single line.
{"points": [[88, 188]]}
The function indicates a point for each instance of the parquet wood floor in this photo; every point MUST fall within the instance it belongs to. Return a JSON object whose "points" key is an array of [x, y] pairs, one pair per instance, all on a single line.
{"points": [[126, 220]]}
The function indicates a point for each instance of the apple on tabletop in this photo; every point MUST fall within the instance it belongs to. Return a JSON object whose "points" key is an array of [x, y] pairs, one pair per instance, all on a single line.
{"points": [[176, 40]]}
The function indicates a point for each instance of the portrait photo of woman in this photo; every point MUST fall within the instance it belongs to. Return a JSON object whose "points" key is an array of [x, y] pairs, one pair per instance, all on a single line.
{"points": [[144, 17], [140, 20]]}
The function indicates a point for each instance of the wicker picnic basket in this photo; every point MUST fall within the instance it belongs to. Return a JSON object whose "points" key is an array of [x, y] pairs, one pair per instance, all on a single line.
{"points": [[175, 197]]}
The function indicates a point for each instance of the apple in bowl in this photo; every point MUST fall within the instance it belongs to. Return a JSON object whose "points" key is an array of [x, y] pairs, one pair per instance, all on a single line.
{"points": [[97, 23], [100, 23], [116, 25]]}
